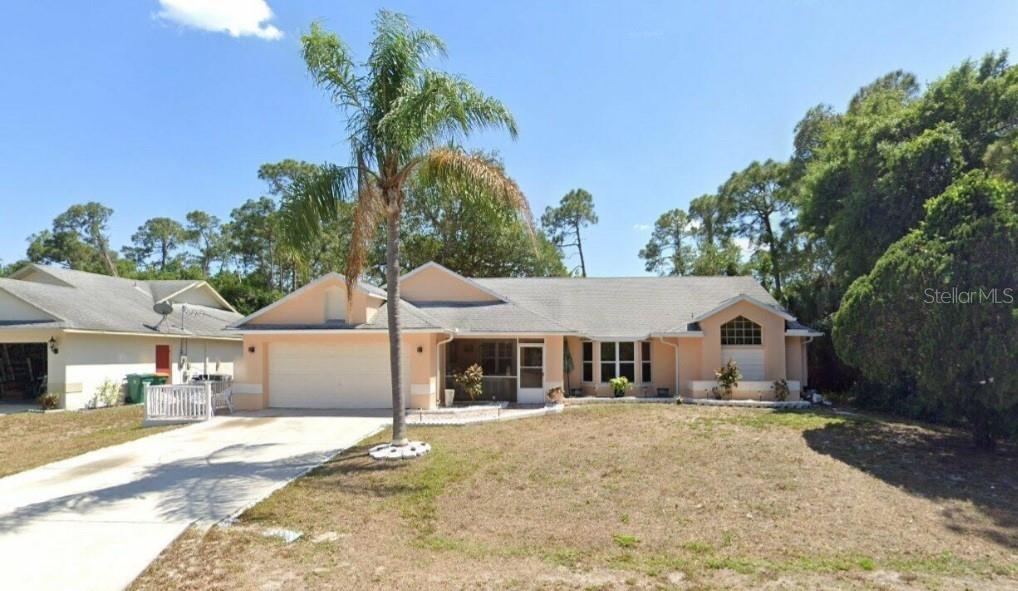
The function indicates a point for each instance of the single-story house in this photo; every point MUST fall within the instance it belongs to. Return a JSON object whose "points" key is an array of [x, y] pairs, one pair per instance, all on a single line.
{"points": [[666, 334], [68, 332]]}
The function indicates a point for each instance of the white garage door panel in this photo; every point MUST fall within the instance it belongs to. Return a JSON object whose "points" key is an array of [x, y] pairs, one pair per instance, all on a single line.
{"points": [[329, 376], [750, 361]]}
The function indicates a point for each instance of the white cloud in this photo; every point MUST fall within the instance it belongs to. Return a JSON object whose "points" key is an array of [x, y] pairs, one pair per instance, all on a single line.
{"points": [[238, 18], [641, 227]]}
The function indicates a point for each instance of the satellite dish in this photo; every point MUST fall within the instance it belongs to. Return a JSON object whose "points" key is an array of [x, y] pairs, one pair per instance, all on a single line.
{"points": [[163, 308]]}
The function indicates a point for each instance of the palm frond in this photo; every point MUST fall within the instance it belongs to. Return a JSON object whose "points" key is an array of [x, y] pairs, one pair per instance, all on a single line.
{"points": [[367, 216], [329, 61], [313, 201], [453, 165], [439, 108], [398, 53]]}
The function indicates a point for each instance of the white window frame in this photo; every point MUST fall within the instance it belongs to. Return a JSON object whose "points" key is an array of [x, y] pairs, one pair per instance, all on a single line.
{"points": [[646, 362], [584, 361], [743, 334], [617, 361]]}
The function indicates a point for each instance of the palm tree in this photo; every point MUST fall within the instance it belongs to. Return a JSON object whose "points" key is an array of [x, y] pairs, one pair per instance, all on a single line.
{"points": [[403, 120]]}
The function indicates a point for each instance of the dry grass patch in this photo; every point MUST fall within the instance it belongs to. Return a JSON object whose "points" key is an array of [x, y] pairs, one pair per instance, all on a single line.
{"points": [[634, 496], [28, 440]]}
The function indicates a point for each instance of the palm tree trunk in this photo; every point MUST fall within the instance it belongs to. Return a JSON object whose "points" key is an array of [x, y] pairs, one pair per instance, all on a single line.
{"points": [[395, 332]]}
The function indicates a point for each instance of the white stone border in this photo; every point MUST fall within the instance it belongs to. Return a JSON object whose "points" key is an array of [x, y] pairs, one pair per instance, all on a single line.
{"points": [[502, 412], [508, 414], [787, 404], [581, 400], [453, 410], [390, 451]]}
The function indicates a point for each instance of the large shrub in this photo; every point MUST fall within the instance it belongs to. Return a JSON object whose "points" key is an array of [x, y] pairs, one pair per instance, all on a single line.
{"points": [[471, 380], [937, 315]]}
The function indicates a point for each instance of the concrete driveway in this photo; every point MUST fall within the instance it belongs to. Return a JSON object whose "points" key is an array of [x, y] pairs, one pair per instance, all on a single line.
{"points": [[97, 520]]}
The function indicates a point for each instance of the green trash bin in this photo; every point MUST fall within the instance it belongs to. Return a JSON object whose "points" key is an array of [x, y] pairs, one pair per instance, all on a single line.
{"points": [[148, 379], [135, 389]]}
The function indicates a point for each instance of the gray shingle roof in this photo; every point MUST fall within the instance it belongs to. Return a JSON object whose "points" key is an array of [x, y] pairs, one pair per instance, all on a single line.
{"points": [[615, 308], [498, 317], [103, 303], [411, 318], [624, 307]]}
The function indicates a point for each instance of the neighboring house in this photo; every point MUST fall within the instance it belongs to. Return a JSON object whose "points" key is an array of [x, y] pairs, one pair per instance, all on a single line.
{"points": [[67, 332], [666, 334]]}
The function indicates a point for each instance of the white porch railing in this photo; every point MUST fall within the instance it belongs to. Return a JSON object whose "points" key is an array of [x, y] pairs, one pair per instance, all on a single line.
{"points": [[196, 401]]}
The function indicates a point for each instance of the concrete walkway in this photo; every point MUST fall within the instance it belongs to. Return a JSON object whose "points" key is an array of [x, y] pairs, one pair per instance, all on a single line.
{"points": [[13, 408], [97, 520]]}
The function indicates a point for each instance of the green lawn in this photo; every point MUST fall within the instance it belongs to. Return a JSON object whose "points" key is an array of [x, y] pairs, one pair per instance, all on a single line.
{"points": [[634, 496], [28, 440]]}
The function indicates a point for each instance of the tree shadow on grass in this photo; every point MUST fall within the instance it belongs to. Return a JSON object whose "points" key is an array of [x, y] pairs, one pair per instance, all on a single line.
{"points": [[936, 463], [357, 473]]}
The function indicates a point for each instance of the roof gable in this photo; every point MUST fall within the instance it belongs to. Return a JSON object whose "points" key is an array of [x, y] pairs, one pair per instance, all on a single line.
{"points": [[318, 303], [195, 292], [742, 297], [431, 282], [38, 274], [93, 302], [15, 309]]}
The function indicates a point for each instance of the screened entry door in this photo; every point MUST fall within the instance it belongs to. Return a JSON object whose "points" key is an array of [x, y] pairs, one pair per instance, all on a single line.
{"points": [[531, 374]]}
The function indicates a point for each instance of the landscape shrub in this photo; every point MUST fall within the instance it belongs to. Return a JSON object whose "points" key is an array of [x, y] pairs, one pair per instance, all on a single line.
{"points": [[49, 401], [109, 393], [728, 376], [620, 386], [471, 380], [781, 391]]}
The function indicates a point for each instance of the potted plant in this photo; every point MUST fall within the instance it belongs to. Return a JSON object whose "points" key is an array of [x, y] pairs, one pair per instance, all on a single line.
{"points": [[620, 386]]}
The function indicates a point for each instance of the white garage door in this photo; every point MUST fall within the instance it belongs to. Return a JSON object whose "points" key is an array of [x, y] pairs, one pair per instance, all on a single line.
{"points": [[319, 375], [749, 359]]}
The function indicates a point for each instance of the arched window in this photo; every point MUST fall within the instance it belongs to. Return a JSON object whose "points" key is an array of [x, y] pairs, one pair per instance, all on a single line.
{"points": [[741, 331]]}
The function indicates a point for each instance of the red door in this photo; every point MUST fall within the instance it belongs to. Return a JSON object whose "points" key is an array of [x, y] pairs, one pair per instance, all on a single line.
{"points": [[163, 360]]}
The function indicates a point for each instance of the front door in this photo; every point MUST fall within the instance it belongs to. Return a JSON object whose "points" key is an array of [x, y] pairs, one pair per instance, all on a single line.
{"points": [[531, 374], [163, 360]]}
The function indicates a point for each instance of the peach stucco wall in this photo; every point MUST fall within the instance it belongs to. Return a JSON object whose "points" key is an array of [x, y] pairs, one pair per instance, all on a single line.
{"points": [[437, 285], [309, 306], [662, 358], [794, 367], [784, 357], [773, 339], [252, 373], [554, 376], [691, 363]]}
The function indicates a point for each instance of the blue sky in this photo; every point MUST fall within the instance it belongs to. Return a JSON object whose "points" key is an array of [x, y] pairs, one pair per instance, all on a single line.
{"points": [[645, 104]]}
